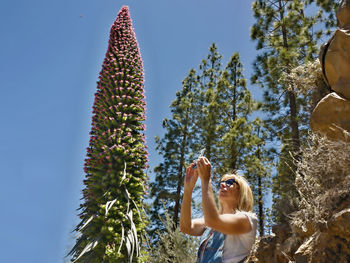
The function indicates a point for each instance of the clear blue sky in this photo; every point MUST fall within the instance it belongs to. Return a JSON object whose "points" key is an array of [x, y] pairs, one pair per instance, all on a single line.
{"points": [[51, 53]]}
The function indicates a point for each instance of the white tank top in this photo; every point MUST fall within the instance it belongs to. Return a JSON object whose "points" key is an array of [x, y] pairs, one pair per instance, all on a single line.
{"points": [[237, 247]]}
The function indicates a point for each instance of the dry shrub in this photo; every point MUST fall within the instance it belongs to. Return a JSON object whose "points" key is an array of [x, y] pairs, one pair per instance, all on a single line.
{"points": [[323, 181], [307, 80], [303, 78]]}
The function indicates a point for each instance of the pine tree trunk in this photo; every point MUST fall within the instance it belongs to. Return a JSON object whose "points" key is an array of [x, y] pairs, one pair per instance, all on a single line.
{"points": [[179, 180], [292, 99], [260, 200], [261, 207], [294, 124]]}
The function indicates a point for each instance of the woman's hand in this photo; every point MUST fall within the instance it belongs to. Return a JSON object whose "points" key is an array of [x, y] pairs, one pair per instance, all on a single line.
{"points": [[191, 177], [204, 168]]}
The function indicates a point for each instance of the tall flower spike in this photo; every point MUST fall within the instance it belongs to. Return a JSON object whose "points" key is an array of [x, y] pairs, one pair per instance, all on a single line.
{"points": [[112, 223]]}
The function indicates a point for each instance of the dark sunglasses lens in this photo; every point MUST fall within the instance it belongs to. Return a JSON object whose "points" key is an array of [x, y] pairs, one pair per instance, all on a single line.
{"points": [[230, 182]]}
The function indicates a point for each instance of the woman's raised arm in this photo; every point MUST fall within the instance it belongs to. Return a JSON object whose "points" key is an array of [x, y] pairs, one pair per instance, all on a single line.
{"points": [[225, 223], [193, 227]]}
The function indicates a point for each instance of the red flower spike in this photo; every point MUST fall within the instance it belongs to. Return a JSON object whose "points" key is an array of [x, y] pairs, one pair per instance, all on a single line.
{"points": [[117, 134]]}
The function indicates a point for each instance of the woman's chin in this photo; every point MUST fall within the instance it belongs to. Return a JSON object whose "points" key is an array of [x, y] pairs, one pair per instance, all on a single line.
{"points": [[222, 194]]}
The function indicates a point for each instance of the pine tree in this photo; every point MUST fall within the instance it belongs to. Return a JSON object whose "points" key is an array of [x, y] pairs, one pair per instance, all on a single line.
{"points": [[212, 111], [288, 38], [191, 128], [235, 105], [241, 146], [257, 166], [112, 221], [174, 148], [326, 13], [207, 117]]}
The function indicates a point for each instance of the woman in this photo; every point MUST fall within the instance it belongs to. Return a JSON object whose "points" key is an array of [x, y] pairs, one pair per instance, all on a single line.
{"points": [[229, 232]]}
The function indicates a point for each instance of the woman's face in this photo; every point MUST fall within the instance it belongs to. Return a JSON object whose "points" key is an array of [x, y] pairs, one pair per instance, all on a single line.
{"points": [[228, 192]]}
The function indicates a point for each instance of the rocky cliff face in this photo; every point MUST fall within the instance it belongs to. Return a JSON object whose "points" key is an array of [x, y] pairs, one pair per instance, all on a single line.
{"points": [[331, 116], [320, 230]]}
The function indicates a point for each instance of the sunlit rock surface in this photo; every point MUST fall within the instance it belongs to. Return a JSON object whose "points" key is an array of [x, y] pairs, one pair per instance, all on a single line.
{"points": [[331, 117]]}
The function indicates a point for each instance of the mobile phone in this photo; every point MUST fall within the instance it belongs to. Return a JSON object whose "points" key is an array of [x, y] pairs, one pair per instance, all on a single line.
{"points": [[201, 154]]}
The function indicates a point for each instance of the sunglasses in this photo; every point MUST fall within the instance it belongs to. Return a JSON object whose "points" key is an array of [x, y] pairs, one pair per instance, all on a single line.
{"points": [[228, 182]]}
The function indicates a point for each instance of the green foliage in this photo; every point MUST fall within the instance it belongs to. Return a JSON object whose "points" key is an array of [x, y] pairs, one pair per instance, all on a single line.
{"points": [[287, 33], [207, 113], [235, 105], [258, 166], [327, 13], [172, 245], [211, 112], [174, 148]]}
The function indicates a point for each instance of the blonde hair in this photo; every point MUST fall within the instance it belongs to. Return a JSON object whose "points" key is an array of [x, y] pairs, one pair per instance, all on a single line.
{"points": [[246, 199]]}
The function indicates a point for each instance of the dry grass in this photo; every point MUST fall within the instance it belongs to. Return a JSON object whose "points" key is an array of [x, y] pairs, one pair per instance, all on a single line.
{"points": [[323, 181]]}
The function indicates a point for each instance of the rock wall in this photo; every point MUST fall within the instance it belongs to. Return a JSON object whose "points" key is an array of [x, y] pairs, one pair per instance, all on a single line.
{"points": [[331, 117]]}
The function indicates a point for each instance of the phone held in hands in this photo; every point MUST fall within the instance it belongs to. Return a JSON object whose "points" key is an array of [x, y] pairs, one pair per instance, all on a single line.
{"points": [[201, 154]]}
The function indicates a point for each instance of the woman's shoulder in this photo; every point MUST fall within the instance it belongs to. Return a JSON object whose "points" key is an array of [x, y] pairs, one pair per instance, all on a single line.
{"points": [[247, 213], [253, 219]]}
